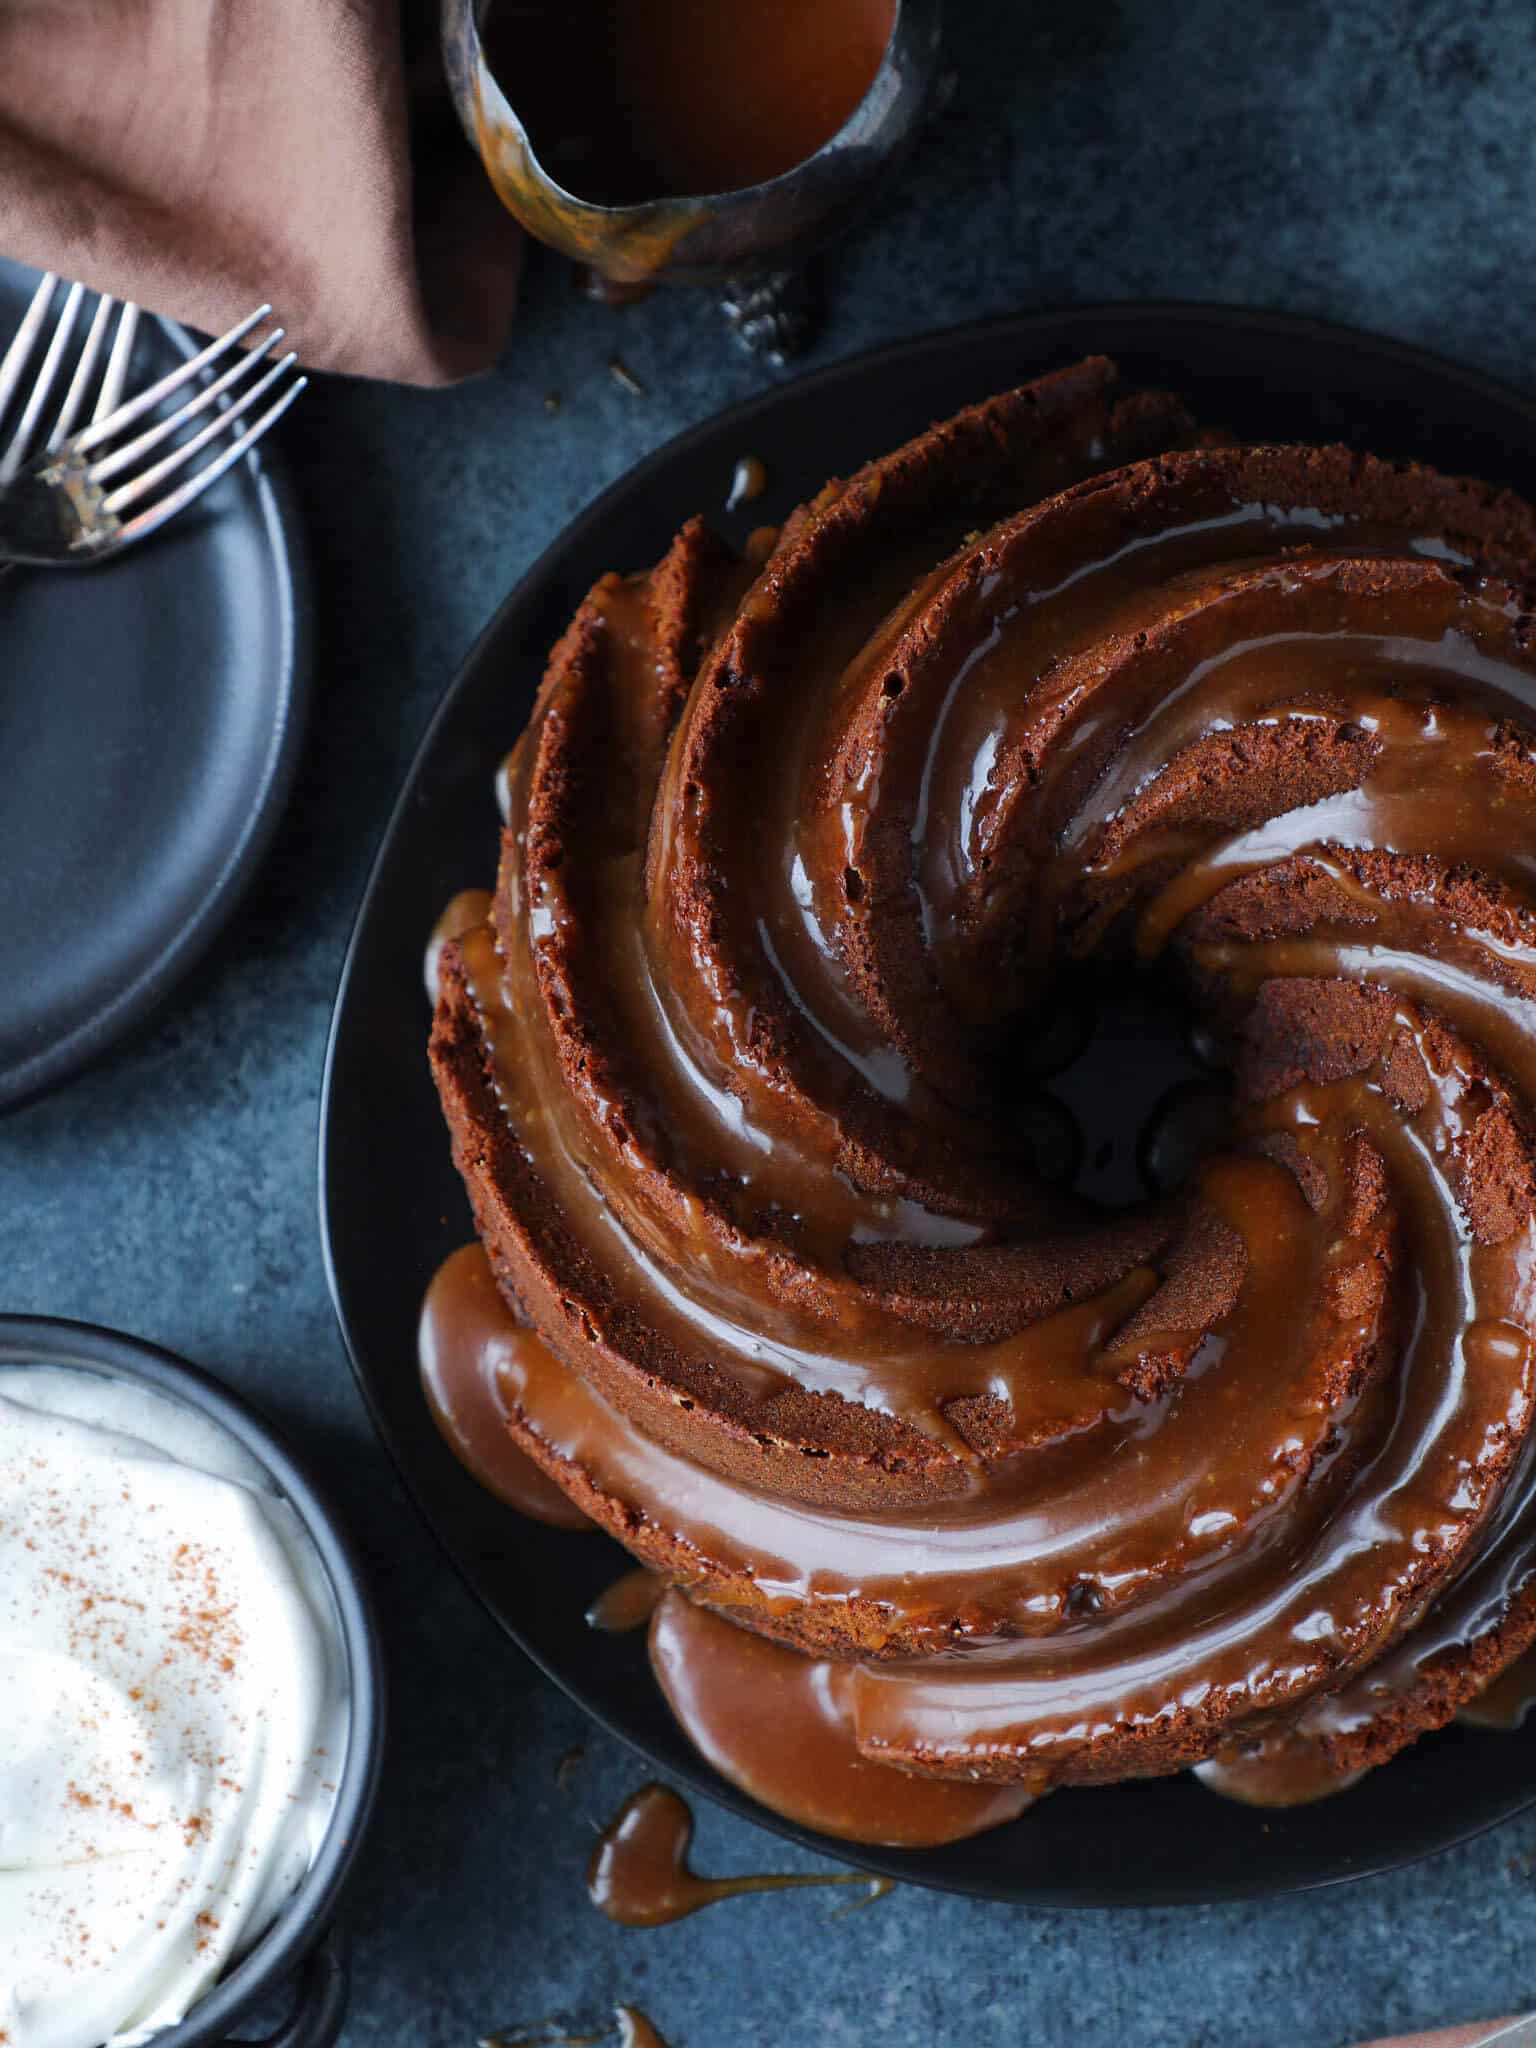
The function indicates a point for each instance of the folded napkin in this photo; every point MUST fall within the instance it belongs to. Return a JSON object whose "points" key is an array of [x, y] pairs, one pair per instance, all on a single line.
{"points": [[200, 156]]}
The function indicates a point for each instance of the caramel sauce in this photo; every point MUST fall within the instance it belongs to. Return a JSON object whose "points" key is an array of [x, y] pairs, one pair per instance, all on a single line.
{"points": [[777, 1724], [636, 2029], [1186, 1126], [640, 1875], [1440, 1464], [1505, 1703], [632, 100], [471, 907], [1242, 1534], [1228, 1444], [627, 1604], [780, 1726], [469, 1344], [749, 480], [1275, 1774]]}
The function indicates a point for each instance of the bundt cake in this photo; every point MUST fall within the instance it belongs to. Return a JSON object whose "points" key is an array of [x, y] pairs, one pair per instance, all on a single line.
{"points": [[803, 853]]}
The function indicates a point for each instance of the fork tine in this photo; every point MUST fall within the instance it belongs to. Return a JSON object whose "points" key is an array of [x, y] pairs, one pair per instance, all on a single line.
{"points": [[15, 359], [126, 456], [115, 377], [37, 398], [140, 486], [125, 415], [85, 369], [177, 501]]}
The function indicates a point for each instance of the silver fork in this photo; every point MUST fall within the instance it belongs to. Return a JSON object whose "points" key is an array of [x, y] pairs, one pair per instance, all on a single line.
{"points": [[69, 498]]}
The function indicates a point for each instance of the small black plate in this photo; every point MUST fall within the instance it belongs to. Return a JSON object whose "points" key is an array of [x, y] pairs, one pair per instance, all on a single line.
{"points": [[392, 1207], [150, 718]]}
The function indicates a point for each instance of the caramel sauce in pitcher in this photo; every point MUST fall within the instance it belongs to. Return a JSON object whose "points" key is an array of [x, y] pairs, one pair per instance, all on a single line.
{"points": [[631, 100]]}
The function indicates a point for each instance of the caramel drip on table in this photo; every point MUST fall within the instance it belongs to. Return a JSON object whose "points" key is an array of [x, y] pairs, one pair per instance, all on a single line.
{"points": [[640, 1875], [636, 2029]]}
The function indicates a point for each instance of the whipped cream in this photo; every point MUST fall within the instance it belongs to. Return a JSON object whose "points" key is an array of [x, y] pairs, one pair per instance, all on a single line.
{"points": [[174, 1712]]}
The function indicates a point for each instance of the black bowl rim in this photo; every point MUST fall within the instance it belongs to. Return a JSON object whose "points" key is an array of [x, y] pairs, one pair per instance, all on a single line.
{"points": [[305, 1918], [1212, 314]]}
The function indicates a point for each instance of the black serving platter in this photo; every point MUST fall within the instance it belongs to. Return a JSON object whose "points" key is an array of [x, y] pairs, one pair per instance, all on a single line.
{"points": [[151, 713], [392, 1207]]}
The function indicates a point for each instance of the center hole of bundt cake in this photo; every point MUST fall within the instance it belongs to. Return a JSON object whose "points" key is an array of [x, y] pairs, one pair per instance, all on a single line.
{"points": [[1117, 1060]]}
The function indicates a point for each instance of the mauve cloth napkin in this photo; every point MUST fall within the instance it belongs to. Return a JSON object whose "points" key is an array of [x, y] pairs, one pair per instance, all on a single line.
{"points": [[200, 156]]}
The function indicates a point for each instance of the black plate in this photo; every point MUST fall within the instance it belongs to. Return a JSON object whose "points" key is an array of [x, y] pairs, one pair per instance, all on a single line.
{"points": [[392, 1206], [150, 718]]}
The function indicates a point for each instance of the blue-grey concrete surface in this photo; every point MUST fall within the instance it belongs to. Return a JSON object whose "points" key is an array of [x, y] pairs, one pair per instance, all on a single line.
{"points": [[1372, 162]]}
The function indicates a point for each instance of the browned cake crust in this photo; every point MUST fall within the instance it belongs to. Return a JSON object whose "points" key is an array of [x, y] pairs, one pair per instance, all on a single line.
{"points": [[797, 844]]}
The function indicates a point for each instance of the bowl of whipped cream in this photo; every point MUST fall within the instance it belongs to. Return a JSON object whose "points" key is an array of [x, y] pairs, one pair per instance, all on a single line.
{"points": [[192, 1718]]}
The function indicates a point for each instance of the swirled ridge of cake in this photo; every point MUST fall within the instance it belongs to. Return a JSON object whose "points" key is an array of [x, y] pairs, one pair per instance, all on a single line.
{"points": [[798, 848]]}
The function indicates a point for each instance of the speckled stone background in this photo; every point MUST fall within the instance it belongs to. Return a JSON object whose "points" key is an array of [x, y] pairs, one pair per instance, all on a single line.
{"points": [[1373, 162]]}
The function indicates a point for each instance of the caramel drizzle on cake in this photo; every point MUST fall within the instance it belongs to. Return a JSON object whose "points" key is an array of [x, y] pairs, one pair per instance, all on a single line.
{"points": [[797, 848]]}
